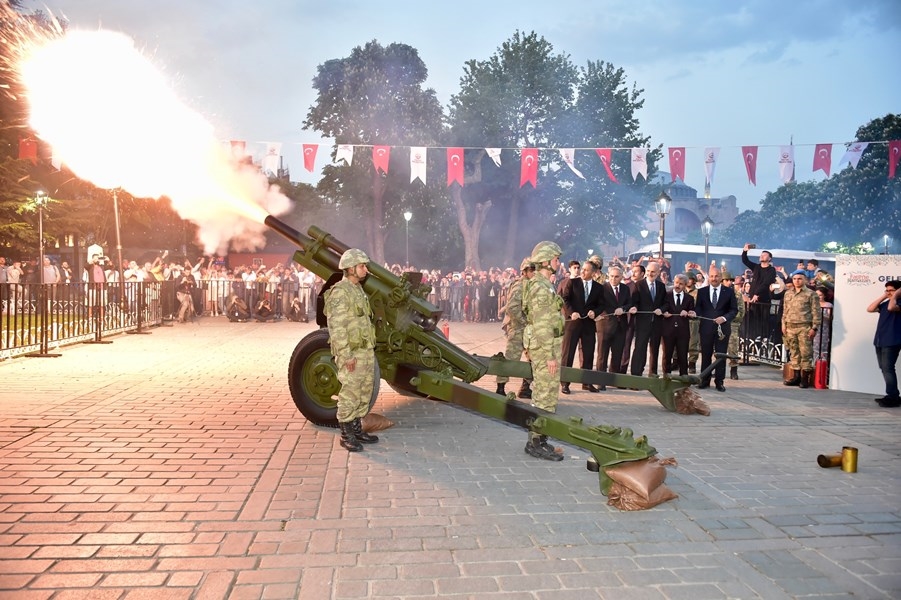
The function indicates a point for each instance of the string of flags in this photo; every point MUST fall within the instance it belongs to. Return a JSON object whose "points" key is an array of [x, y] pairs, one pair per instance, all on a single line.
{"points": [[381, 154]]}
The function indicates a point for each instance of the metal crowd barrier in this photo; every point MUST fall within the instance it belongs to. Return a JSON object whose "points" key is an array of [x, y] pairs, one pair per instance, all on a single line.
{"points": [[39, 318], [760, 335]]}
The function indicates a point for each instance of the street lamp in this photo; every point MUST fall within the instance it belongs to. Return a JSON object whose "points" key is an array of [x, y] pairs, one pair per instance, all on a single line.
{"points": [[119, 250], [662, 206], [40, 200], [407, 216], [885, 240], [706, 228]]}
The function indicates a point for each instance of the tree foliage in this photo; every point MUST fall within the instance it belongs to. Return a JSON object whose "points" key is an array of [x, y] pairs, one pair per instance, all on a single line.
{"points": [[375, 96]]}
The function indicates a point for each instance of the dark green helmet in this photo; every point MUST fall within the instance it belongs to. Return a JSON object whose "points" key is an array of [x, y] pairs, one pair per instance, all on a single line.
{"points": [[545, 252]]}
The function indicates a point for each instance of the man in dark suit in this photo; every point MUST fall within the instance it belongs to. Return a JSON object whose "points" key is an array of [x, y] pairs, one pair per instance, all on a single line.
{"points": [[636, 275], [647, 311], [717, 306], [581, 301], [611, 325], [675, 332]]}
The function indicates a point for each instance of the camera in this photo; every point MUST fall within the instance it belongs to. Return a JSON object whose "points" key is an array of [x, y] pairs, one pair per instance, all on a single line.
{"points": [[751, 246]]}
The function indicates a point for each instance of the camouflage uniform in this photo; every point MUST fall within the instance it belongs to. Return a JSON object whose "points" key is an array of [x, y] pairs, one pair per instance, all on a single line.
{"points": [[514, 324], [694, 340], [542, 338], [351, 335], [800, 313], [735, 325]]}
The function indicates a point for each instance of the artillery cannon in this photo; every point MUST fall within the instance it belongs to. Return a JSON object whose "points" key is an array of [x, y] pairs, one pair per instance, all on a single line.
{"points": [[414, 358]]}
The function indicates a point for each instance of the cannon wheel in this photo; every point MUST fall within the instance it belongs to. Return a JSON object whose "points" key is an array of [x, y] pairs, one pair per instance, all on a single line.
{"points": [[313, 380]]}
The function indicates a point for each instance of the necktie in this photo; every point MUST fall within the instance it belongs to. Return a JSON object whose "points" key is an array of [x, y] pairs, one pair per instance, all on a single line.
{"points": [[715, 290], [616, 292], [587, 290], [652, 288], [678, 300]]}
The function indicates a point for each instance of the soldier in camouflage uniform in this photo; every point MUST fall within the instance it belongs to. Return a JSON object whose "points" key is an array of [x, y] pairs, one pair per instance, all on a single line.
{"points": [[598, 262], [694, 340], [352, 341], [734, 325], [542, 338], [514, 324], [801, 318]]}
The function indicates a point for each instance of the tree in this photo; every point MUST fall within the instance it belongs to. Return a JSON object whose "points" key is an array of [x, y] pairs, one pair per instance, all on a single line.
{"points": [[595, 210], [373, 97], [511, 100]]}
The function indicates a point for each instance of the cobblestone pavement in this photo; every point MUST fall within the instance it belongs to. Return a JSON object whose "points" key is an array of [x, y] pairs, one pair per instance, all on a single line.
{"points": [[175, 465]]}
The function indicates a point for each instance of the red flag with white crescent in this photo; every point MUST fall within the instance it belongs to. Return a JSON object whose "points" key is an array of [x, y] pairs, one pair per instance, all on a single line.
{"points": [[309, 156], [28, 150], [677, 163], [822, 158], [455, 166], [750, 157], [380, 157], [894, 152], [605, 155], [528, 172]]}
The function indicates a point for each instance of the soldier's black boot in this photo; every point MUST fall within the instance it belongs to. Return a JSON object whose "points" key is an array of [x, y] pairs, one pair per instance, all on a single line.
{"points": [[361, 435], [805, 379], [348, 439], [538, 447], [733, 372], [525, 390], [500, 390], [795, 379]]}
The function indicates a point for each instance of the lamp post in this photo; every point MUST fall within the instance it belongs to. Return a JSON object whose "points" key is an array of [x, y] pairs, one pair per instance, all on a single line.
{"points": [[706, 228], [40, 200], [119, 250], [662, 206], [407, 216], [885, 240]]}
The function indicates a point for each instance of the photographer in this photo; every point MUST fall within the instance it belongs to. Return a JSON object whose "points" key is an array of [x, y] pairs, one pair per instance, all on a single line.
{"points": [[95, 279], [184, 289]]}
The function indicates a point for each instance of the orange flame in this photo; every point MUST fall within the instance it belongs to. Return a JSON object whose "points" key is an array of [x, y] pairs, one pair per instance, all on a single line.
{"points": [[113, 120]]}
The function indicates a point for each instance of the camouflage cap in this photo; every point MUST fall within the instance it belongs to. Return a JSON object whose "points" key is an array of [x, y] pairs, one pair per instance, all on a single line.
{"points": [[526, 264], [545, 252], [352, 258]]}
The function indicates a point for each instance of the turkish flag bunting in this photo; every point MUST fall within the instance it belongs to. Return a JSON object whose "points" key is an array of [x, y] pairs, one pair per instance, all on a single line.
{"points": [[309, 156], [894, 152], [238, 149], [455, 166], [528, 172], [750, 157], [677, 163], [604, 155], [822, 158], [28, 150], [380, 157]]}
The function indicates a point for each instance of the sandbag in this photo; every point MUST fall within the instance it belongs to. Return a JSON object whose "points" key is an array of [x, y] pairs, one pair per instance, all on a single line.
{"points": [[688, 402], [638, 484], [625, 499], [376, 422]]}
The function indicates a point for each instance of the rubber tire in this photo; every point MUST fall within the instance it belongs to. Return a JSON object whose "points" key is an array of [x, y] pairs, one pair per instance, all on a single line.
{"points": [[313, 380]]}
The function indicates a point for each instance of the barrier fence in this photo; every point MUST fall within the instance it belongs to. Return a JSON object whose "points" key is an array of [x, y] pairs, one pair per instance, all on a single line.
{"points": [[37, 318]]}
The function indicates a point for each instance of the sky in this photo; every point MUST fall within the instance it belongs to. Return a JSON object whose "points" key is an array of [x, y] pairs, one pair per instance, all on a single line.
{"points": [[714, 73]]}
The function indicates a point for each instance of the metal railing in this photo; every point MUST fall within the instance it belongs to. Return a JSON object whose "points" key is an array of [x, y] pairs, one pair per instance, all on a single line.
{"points": [[760, 335], [37, 318]]}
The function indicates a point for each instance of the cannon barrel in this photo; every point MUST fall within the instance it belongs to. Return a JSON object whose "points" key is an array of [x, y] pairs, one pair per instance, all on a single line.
{"points": [[405, 321]]}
